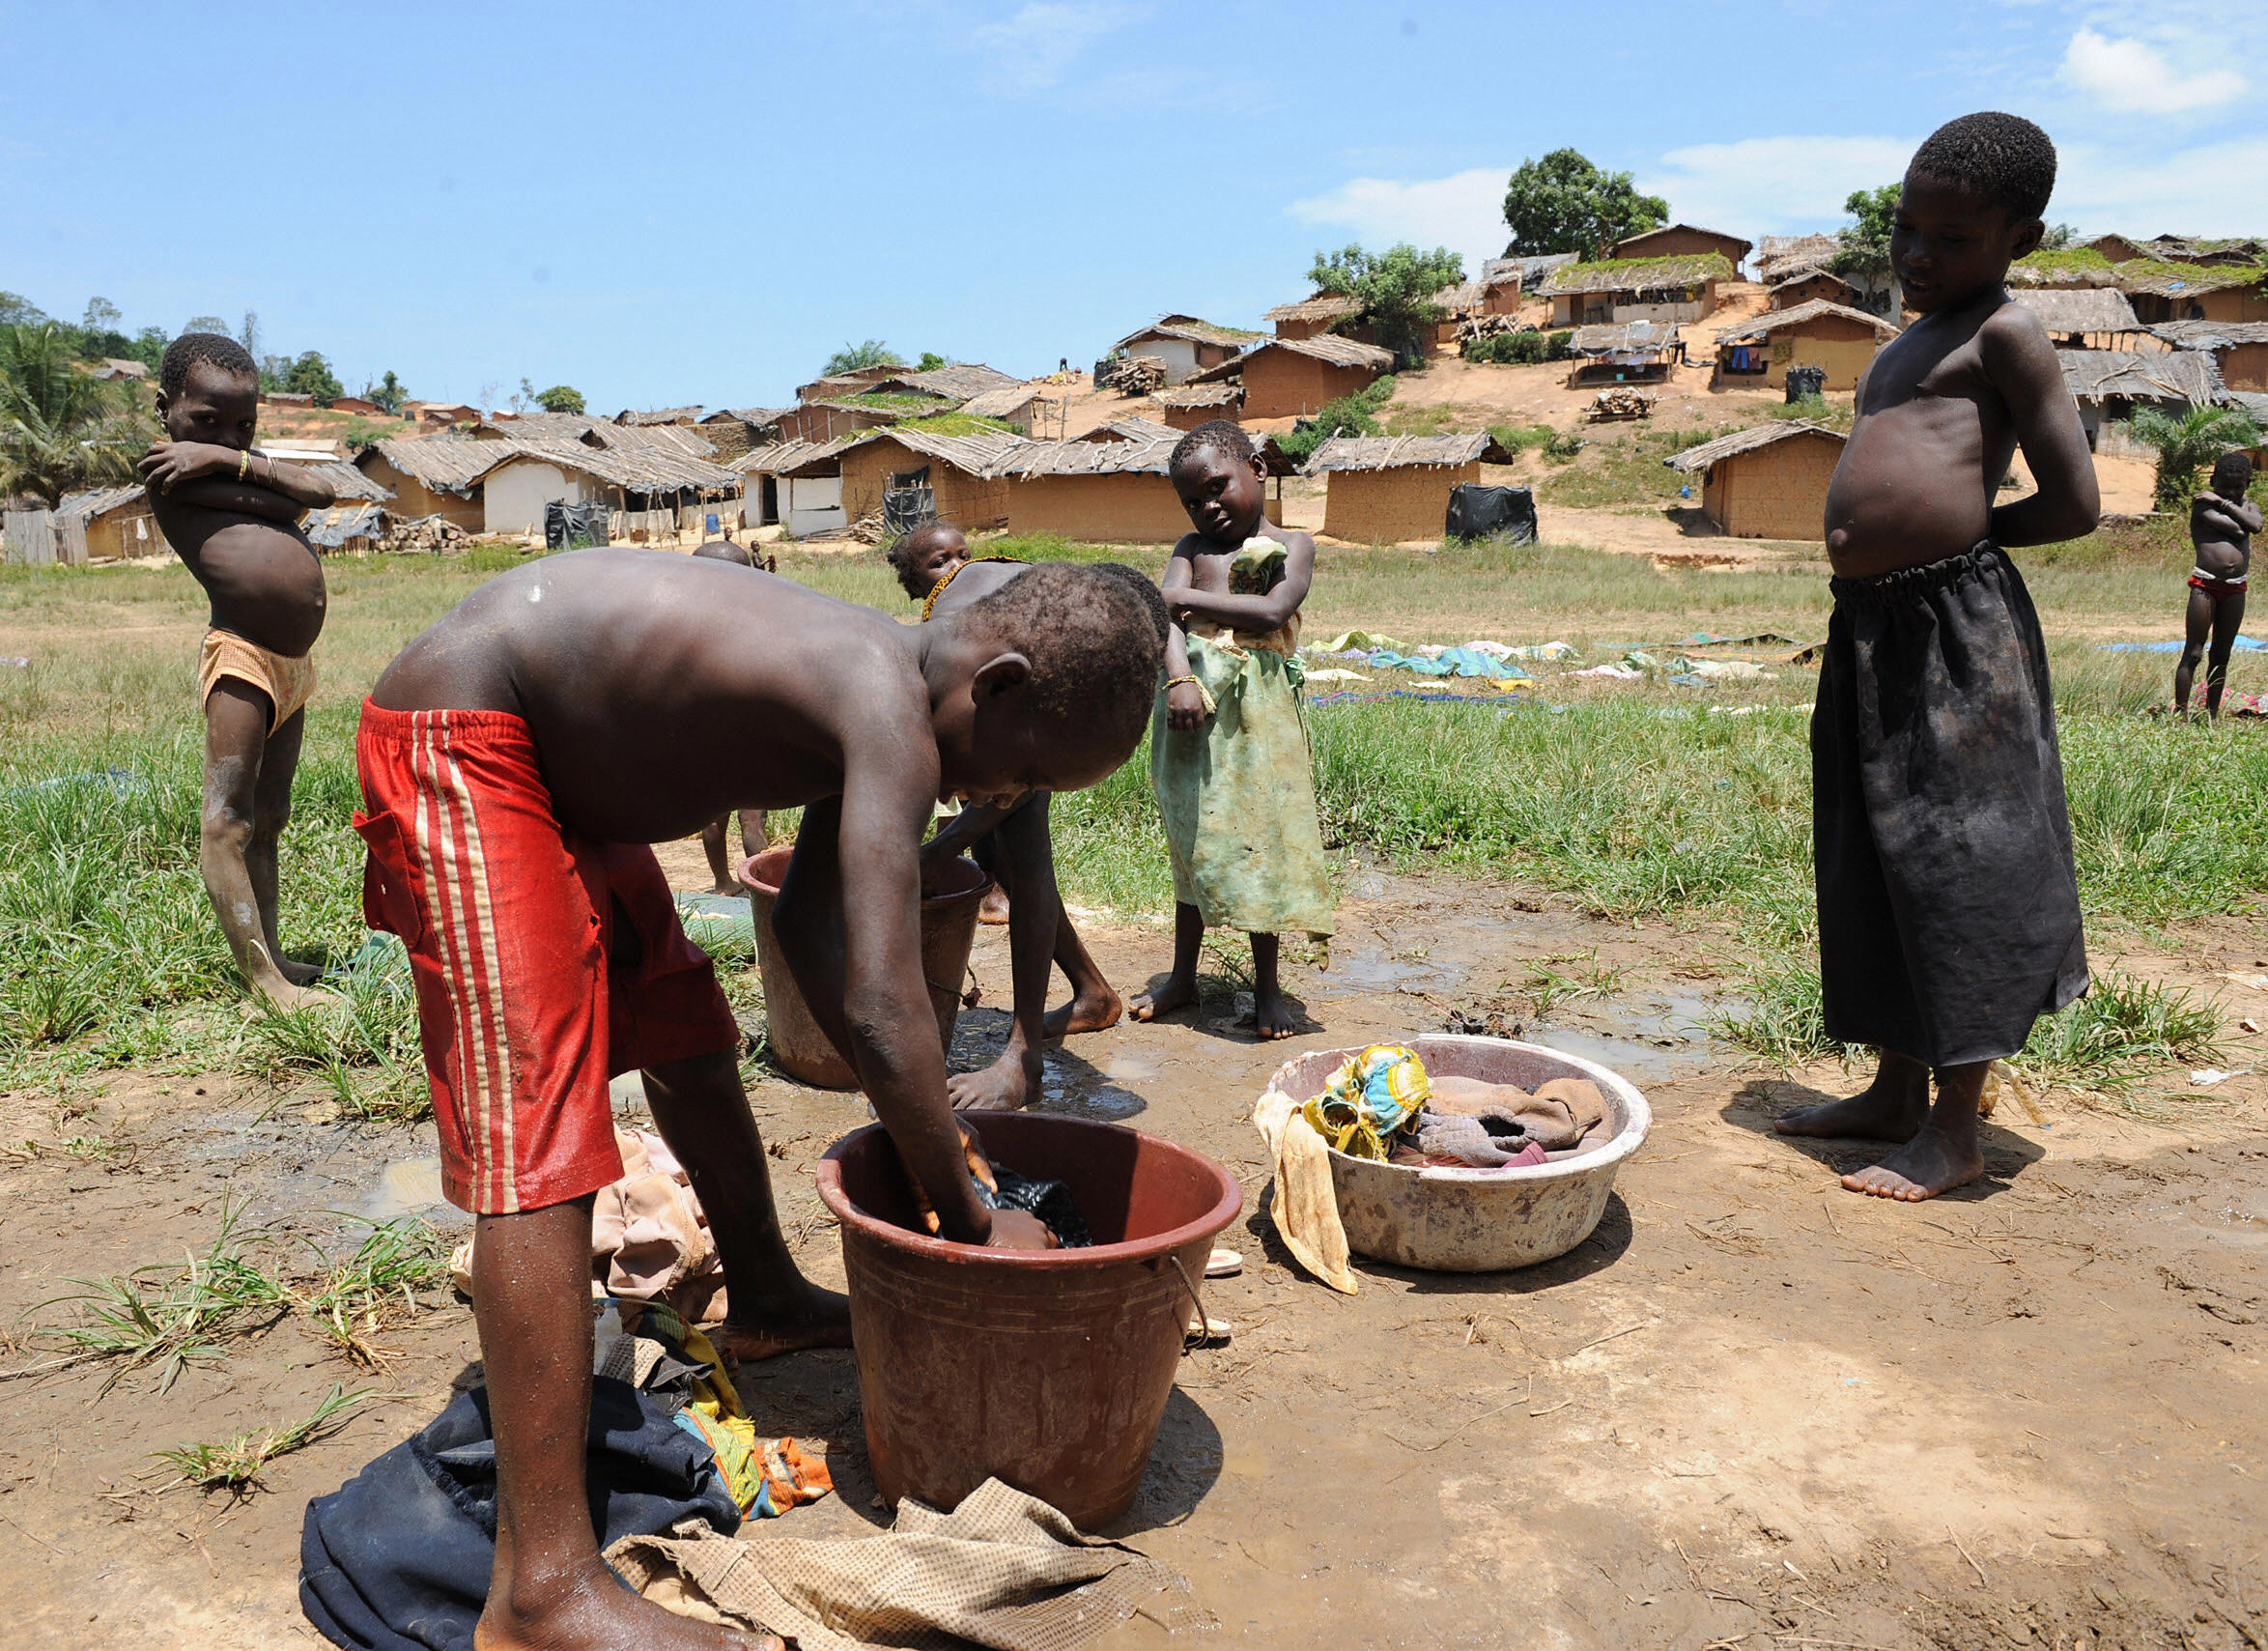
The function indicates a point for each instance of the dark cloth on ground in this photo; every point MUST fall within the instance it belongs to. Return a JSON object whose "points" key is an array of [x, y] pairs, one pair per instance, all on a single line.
{"points": [[398, 1558], [1948, 908]]}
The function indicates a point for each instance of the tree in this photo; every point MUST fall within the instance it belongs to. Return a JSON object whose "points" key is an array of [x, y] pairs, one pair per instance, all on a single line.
{"points": [[1864, 257], [250, 336], [311, 374], [150, 347], [2189, 444], [62, 431], [103, 316], [1562, 203], [387, 395], [16, 310], [561, 398], [205, 324], [1393, 293], [873, 353], [931, 361]]}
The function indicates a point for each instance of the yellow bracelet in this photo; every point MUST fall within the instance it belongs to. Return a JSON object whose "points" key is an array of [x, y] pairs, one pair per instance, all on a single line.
{"points": [[1173, 682], [243, 463]]}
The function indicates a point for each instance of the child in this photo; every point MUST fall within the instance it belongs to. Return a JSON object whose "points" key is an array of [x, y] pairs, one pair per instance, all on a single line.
{"points": [[1949, 912], [927, 558], [1016, 847], [512, 775], [234, 517], [752, 837], [1228, 752], [2221, 527]]}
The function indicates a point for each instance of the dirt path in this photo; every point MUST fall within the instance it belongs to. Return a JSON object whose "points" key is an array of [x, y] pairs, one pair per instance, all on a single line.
{"points": [[1752, 1409]]}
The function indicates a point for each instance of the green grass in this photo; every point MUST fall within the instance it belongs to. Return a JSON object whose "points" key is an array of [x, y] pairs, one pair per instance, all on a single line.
{"points": [[352, 1300], [2119, 1033], [1624, 471], [235, 1464]]}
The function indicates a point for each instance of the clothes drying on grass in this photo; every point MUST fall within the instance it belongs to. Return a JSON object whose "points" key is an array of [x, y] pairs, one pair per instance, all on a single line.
{"points": [[1002, 1570], [1450, 662], [2175, 647], [1359, 641]]}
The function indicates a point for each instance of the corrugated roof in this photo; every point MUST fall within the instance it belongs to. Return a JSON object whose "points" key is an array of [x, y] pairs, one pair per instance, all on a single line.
{"points": [[1397, 452], [1323, 306], [781, 457], [1010, 397], [1640, 239], [2211, 334], [1326, 347], [1616, 337], [1774, 319], [1087, 458], [2079, 309], [444, 464], [1697, 458], [1639, 275], [2162, 375]]}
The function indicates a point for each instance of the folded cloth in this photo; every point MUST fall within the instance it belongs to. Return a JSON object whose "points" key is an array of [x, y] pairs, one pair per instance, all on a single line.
{"points": [[1488, 1140], [1372, 1095], [1560, 1116], [1304, 1203], [1002, 1570], [398, 1558]]}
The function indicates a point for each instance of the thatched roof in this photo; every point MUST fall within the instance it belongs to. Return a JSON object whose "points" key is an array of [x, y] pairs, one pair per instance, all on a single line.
{"points": [[2184, 280], [332, 527], [1623, 337], [1323, 306], [2211, 334], [1087, 458], [639, 469], [754, 418], [2203, 250], [957, 383], [973, 454], [1130, 429], [595, 432], [2192, 376], [443, 464], [97, 503], [2079, 309], [1530, 268], [1189, 395], [1694, 460], [1791, 274], [1637, 246], [1772, 321], [782, 458], [1398, 452], [348, 482], [660, 416], [1778, 253], [1637, 274], [1326, 347], [1004, 402], [1193, 329], [1464, 295], [848, 384]]}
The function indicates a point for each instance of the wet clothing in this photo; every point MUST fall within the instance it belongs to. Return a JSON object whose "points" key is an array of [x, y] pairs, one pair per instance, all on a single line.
{"points": [[289, 683], [1948, 908], [545, 962]]}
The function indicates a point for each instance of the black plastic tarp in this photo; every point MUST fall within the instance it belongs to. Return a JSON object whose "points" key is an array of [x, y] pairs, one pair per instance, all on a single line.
{"points": [[567, 525], [1806, 383], [1478, 512]]}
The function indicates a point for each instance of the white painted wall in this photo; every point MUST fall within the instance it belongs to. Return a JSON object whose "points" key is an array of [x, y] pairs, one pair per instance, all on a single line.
{"points": [[1177, 353], [811, 505], [514, 493]]}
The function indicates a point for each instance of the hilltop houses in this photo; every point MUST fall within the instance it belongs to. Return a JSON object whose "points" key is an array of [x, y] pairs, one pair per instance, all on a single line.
{"points": [[1682, 239], [1284, 378], [1770, 482], [1186, 344], [1759, 352], [1682, 288]]}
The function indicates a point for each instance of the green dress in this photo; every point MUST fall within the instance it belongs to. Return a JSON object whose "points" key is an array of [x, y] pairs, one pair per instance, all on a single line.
{"points": [[1238, 792]]}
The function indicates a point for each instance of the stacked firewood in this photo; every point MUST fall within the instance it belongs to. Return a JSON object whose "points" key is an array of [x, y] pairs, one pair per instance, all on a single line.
{"points": [[867, 530], [1620, 402], [1488, 325], [427, 535], [1134, 375]]}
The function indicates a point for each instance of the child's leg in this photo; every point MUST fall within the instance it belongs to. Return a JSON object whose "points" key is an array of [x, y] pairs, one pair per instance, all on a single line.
{"points": [[236, 746], [2198, 617], [703, 1113], [1943, 1153], [713, 845], [753, 840], [2229, 615], [1271, 1018], [271, 812], [987, 852], [1180, 988], [531, 1301], [1094, 1004], [1891, 1108]]}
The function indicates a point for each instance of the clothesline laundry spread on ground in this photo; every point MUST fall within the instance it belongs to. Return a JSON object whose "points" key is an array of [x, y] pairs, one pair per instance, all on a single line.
{"points": [[2242, 642]]}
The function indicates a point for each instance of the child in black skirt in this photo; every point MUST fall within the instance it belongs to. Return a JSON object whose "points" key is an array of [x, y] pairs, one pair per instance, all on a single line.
{"points": [[2221, 530], [1949, 911]]}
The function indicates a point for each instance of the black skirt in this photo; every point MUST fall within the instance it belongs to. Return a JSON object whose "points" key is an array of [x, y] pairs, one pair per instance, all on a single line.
{"points": [[1948, 909]]}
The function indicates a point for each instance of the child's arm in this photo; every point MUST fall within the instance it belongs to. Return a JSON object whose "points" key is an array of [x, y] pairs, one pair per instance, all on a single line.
{"points": [[2021, 363], [1255, 612], [1184, 704], [229, 497], [171, 467]]}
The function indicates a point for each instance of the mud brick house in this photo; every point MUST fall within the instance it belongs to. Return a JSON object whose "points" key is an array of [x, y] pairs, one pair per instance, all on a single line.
{"points": [[1682, 239], [1767, 483], [1187, 344], [1284, 378], [1683, 288], [1760, 351], [1390, 488]]}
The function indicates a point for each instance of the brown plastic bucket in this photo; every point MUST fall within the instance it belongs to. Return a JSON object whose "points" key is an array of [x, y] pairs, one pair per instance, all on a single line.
{"points": [[1048, 1369], [949, 928]]}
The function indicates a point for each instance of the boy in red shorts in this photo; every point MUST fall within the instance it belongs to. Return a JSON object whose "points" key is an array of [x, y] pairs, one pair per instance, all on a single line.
{"points": [[516, 760]]}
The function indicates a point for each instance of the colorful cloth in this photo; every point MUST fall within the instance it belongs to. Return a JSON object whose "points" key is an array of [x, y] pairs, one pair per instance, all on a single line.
{"points": [[1369, 1098], [767, 1477], [1237, 793], [509, 921]]}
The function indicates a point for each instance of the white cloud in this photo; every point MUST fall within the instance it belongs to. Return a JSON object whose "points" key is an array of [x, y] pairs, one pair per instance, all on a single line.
{"points": [[1035, 49], [1463, 213], [2133, 78], [1773, 186], [2200, 190]]}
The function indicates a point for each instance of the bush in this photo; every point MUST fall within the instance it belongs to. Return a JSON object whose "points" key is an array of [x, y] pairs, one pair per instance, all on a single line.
{"points": [[1518, 349], [1349, 415]]}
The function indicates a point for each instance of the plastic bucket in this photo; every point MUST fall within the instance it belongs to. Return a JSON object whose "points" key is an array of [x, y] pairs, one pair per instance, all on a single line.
{"points": [[1048, 1369], [949, 928]]}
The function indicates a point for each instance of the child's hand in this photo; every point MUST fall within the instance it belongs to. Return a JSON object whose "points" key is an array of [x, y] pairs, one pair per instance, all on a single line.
{"points": [[1184, 707], [1019, 1229], [169, 461]]}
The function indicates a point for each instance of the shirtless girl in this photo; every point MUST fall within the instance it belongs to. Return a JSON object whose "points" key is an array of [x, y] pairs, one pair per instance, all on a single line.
{"points": [[233, 517], [514, 768], [2221, 530], [1949, 911]]}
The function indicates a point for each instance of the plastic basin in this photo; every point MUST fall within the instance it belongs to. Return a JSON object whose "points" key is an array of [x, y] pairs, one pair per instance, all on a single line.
{"points": [[1477, 1220]]}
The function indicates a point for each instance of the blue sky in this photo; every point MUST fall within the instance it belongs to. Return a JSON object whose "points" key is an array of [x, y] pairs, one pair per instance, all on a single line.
{"points": [[662, 203]]}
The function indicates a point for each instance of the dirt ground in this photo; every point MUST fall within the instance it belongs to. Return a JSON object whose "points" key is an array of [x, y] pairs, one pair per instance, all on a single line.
{"points": [[1751, 1410]]}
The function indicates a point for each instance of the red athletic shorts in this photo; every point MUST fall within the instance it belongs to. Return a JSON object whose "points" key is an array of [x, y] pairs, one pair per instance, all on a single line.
{"points": [[545, 962]]}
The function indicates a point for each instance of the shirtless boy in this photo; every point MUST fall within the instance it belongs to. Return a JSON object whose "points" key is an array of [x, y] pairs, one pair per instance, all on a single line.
{"points": [[1949, 912], [2221, 527], [1229, 755], [512, 775], [233, 517], [752, 837]]}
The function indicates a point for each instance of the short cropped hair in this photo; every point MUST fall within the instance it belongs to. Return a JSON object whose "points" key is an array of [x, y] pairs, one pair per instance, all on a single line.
{"points": [[1148, 588], [724, 551], [906, 556], [2232, 476], [1096, 638], [214, 348], [2002, 158], [1217, 436]]}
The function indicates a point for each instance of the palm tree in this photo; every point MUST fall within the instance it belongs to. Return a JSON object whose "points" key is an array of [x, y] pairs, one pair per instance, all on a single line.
{"points": [[62, 431], [2189, 444], [873, 353]]}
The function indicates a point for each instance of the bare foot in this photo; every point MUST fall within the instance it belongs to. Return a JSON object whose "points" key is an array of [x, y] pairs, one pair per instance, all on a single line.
{"points": [[1002, 1086], [822, 1319], [727, 886], [592, 1610], [1891, 1108], [1176, 993], [1271, 1018], [994, 908], [1088, 1012], [280, 997], [1931, 1163]]}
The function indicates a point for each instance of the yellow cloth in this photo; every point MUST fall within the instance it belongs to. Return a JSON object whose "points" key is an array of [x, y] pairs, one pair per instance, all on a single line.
{"points": [[1305, 1206], [1369, 1098], [289, 683]]}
